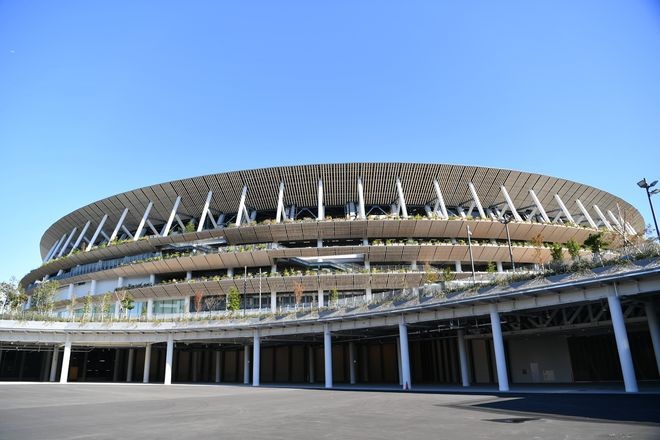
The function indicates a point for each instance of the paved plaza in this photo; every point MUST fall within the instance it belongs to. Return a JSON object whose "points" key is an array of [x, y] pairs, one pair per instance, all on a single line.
{"points": [[132, 411]]}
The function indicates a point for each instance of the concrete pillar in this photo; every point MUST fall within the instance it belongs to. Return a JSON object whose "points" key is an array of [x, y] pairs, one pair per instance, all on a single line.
{"points": [[654, 329], [352, 362], [46, 374], [498, 345], [462, 355], [129, 367], [273, 302], [186, 305], [147, 363], [310, 359], [195, 365], [500, 269], [367, 266], [169, 354], [150, 308], [152, 279], [92, 288], [458, 267], [53, 363], [115, 371], [256, 361], [218, 366], [117, 309], [246, 364], [621, 336], [64, 376], [189, 275], [83, 376], [230, 272], [320, 297], [398, 360], [405, 355], [327, 355]]}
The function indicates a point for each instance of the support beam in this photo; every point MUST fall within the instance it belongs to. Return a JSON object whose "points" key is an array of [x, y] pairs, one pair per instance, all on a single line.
{"points": [[99, 228], [273, 301], [622, 345], [54, 249], [66, 243], [539, 206], [351, 362], [498, 346], [402, 200], [563, 208], [53, 363], [80, 237], [120, 223], [405, 355], [509, 202], [320, 214], [66, 358], [169, 354], [256, 359], [327, 355], [143, 221], [654, 330], [246, 364], [129, 366], [205, 211], [615, 220], [218, 366], [603, 218], [462, 355], [586, 214], [475, 199], [147, 363], [281, 214], [440, 202], [320, 297], [241, 208], [168, 225], [310, 361], [362, 214]]}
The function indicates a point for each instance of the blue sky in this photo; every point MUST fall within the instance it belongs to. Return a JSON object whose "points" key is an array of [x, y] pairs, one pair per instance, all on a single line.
{"points": [[106, 96]]}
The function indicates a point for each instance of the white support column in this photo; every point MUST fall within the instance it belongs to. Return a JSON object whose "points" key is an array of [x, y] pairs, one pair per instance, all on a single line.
{"points": [[310, 361], [246, 364], [50, 251], [136, 237], [66, 242], [563, 208], [320, 208], [500, 268], [53, 363], [120, 223], [362, 215], [64, 375], [475, 199], [402, 199], [622, 345], [147, 363], [169, 355], [92, 287], [55, 248], [218, 366], [585, 213], [615, 220], [320, 297], [168, 225], [256, 359], [539, 206], [327, 355], [273, 301], [99, 228], [398, 360], [150, 308], [440, 203], [603, 218], [351, 361], [654, 329], [205, 211], [498, 346], [129, 366], [462, 354], [405, 355], [509, 202], [241, 208], [80, 237], [458, 266], [280, 205], [186, 305]]}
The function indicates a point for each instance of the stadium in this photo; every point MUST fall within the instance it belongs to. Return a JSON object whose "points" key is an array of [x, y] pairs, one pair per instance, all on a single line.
{"points": [[396, 274]]}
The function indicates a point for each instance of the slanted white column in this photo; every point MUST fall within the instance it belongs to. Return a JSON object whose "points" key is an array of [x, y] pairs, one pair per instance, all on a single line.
{"points": [[440, 202], [405, 355], [602, 218], [476, 200], [96, 233], [169, 355], [241, 208], [53, 363], [462, 354], [256, 359], [361, 209], [327, 355], [320, 208], [168, 225], [622, 345], [654, 329], [120, 223], [143, 221], [540, 207], [563, 208], [246, 364], [402, 199], [498, 345], [80, 237], [218, 366], [351, 361], [310, 360], [273, 301], [147, 363], [64, 375], [205, 212], [500, 268], [281, 214], [320, 297], [585, 213], [53, 249], [509, 202], [129, 367], [66, 243]]}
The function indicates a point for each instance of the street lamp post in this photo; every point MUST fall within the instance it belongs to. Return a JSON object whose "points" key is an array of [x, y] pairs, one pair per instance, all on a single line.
{"points": [[647, 186], [469, 235], [505, 220]]}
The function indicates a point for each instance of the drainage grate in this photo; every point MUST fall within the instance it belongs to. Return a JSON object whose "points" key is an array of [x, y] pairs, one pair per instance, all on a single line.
{"points": [[513, 420]]}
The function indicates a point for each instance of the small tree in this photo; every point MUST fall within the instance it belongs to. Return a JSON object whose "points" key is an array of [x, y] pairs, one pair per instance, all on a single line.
{"points": [[491, 268], [431, 275], [573, 249], [87, 306], [595, 242], [537, 242], [127, 303], [43, 296], [297, 292], [557, 253], [12, 295], [334, 296], [190, 226], [106, 302], [233, 299], [211, 302], [72, 306], [448, 275], [198, 301]]}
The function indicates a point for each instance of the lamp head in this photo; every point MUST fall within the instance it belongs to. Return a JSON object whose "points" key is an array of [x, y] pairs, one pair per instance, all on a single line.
{"points": [[642, 183]]}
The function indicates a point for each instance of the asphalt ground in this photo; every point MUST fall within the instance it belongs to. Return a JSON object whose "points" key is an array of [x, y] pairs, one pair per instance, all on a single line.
{"points": [[135, 411]]}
